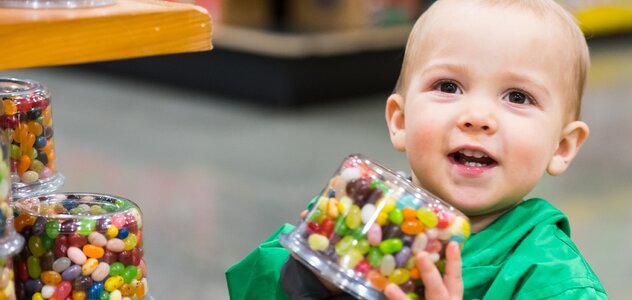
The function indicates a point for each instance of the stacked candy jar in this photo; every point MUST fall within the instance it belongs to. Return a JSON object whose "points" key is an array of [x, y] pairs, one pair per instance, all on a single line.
{"points": [[365, 228], [10, 242], [80, 246], [26, 120]]}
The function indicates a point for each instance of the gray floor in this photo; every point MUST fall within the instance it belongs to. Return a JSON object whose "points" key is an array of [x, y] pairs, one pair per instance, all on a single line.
{"points": [[215, 178]]}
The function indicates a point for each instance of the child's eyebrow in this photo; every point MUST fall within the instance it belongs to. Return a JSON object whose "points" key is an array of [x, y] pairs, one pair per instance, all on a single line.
{"points": [[455, 68], [530, 81]]}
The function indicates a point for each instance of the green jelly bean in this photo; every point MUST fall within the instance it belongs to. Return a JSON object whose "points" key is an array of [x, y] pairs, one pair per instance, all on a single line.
{"points": [[375, 257], [116, 269], [86, 226], [391, 246], [129, 273], [380, 185], [33, 266], [315, 216], [357, 234], [440, 265], [47, 242], [105, 295], [354, 217], [15, 152], [363, 246], [345, 244], [340, 228], [36, 246], [396, 216], [350, 259], [52, 229], [412, 296]]}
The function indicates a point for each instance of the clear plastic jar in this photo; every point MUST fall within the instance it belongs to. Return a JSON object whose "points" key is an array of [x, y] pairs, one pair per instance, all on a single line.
{"points": [[366, 226], [54, 3], [26, 121], [7, 287], [10, 242], [88, 246]]}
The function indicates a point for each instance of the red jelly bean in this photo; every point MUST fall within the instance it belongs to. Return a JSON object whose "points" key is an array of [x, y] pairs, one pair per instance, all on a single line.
{"points": [[327, 227], [61, 246], [23, 272], [444, 222], [109, 257], [77, 240], [363, 267], [313, 227]]}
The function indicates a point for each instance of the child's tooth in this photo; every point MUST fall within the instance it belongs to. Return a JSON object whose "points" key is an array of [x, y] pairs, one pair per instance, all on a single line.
{"points": [[478, 154], [467, 152]]}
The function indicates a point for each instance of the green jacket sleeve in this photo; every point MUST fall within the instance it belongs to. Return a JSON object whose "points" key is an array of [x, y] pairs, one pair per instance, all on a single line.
{"points": [[257, 275]]}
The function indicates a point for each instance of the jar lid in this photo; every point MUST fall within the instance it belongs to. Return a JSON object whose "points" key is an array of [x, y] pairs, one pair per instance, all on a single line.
{"points": [[20, 87]]}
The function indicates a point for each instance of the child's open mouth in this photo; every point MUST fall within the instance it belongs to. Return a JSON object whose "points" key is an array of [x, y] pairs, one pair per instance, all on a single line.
{"points": [[472, 158]]}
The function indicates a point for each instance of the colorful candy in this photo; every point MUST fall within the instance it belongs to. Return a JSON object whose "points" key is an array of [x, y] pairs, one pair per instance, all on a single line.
{"points": [[72, 252], [380, 221], [25, 118]]}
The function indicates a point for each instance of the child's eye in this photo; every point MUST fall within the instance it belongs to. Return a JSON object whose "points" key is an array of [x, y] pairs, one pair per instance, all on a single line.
{"points": [[519, 98], [448, 87]]}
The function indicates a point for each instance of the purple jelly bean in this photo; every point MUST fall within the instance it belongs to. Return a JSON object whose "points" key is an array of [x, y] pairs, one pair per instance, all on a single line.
{"points": [[407, 240], [33, 286], [71, 272], [39, 226], [401, 258]]}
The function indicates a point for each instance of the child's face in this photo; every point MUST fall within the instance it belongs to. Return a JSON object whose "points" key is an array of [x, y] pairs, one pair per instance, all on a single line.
{"points": [[485, 111]]}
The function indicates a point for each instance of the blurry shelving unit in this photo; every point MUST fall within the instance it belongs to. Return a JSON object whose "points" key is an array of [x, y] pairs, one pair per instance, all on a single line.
{"points": [[127, 29], [606, 19]]}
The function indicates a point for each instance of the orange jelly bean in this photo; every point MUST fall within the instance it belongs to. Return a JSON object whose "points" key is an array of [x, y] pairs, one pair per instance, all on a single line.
{"points": [[409, 213], [35, 128], [24, 164], [377, 280], [22, 221], [412, 227], [414, 273], [9, 107], [140, 289], [93, 251], [127, 290], [50, 277], [78, 295]]}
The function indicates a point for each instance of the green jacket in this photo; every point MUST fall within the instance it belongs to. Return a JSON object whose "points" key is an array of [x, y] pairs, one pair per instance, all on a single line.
{"points": [[525, 254]]}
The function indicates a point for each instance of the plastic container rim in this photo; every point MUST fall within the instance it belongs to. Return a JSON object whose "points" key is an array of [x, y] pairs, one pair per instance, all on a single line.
{"points": [[22, 204]]}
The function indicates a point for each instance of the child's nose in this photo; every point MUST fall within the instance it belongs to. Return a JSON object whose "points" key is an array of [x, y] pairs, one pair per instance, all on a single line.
{"points": [[477, 120]]}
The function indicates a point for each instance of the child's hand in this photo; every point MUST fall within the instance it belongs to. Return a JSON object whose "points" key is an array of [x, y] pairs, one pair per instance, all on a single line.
{"points": [[448, 287]]}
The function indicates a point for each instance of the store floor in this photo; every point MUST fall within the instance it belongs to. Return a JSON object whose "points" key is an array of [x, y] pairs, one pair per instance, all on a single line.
{"points": [[215, 177]]}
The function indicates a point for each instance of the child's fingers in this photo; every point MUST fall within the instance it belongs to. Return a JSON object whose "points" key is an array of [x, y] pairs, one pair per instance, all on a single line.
{"points": [[433, 283], [393, 292], [304, 214], [452, 277]]}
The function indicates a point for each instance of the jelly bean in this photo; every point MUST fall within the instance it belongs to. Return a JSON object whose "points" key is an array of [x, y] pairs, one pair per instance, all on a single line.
{"points": [[62, 290], [118, 220], [33, 266], [326, 228], [101, 272], [127, 290], [407, 200], [374, 234], [97, 239], [401, 257], [432, 233], [109, 257], [48, 291], [29, 177], [391, 231], [412, 227], [383, 186], [61, 264], [52, 229], [116, 295], [95, 290], [115, 245], [396, 216], [35, 246], [409, 213], [388, 264], [340, 228], [89, 266], [86, 226], [345, 244], [76, 240], [318, 242], [32, 286], [47, 242], [22, 270], [362, 267], [112, 232], [37, 296], [346, 203], [390, 246], [354, 217], [82, 283], [76, 255], [332, 208], [321, 204], [376, 279], [144, 282], [71, 272], [78, 295], [123, 232], [93, 251], [399, 276], [363, 246], [375, 257], [367, 213], [411, 263], [433, 246], [313, 227], [348, 260], [414, 273], [116, 269], [22, 221], [349, 174], [443, 219], [427, 217], [444, 234], [51, 277], [131, 257], [382, 218], [113, 283], [421, 240]]}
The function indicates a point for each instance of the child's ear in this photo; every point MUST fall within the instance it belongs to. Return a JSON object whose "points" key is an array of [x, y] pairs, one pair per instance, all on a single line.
{"points": [[395, 121], [573, 136]]}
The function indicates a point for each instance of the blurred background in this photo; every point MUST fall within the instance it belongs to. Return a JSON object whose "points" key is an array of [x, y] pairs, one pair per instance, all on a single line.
{"points": [[220, 148]]}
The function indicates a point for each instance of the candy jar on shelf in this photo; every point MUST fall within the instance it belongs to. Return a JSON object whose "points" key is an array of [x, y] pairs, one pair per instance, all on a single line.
{"points": [[26, 121], [80, 245]]}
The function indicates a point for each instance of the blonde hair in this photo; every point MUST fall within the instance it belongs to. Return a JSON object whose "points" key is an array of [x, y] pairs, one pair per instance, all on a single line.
{"points": [[572, 35]]}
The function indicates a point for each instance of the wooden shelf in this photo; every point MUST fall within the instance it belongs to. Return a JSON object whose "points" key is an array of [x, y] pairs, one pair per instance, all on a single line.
{"points": [[605, 19], [127, 29]]}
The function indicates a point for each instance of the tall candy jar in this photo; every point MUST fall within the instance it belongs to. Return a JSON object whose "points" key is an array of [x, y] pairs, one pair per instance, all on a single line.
{"points": [[27, 123], [10, 242], [80, 246]]}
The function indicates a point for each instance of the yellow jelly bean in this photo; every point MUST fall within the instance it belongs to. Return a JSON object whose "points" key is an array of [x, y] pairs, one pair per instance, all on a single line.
{"points": [[130, 241], [347, 203], [332, 209], [318, 242], [354, 217], [9, 107], [427, 217], [89, 266], [399, 276], [389, 205], [382, 218], [37, 296], [112, 232], [113, 283], [322, 203], [50, 277]]}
